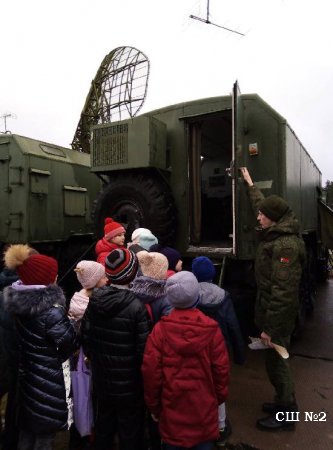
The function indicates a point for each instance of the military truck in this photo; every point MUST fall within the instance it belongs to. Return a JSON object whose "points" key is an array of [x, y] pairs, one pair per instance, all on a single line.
{"points": [[175, 170], [46, 198]]}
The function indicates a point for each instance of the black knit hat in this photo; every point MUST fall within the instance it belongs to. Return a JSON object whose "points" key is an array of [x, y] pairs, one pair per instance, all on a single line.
{"points": [[273, 207], [173, 255], [121, 266]]}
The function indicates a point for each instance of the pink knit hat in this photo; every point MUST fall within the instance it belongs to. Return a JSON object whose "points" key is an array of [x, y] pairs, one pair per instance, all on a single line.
{"points": [[153, 265], [112, 228], [89, 273]]}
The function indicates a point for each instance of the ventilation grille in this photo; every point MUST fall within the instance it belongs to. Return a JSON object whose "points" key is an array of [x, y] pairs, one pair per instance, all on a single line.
{"points": [[110, 145]]}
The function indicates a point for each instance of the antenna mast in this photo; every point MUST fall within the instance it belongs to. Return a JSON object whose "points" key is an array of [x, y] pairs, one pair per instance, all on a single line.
{"points": [[211, 23], [5, 116]]}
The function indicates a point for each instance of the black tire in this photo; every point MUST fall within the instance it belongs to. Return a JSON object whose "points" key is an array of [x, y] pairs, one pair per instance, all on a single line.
{"points": [[138, 200]]}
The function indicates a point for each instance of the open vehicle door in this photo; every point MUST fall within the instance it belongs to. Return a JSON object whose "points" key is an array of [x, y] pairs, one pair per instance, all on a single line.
{"points": [[237, 127]]}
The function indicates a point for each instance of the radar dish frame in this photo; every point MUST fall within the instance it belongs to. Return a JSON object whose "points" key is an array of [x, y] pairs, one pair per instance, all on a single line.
{"points": [[117, 92]]}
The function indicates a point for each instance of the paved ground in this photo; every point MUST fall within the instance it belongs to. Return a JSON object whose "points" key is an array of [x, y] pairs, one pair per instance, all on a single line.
{"points": [[312, 365]]}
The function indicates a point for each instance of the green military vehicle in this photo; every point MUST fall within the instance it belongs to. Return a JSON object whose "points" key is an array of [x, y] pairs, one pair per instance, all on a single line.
{"points": [[46, 197], [175, 170]]}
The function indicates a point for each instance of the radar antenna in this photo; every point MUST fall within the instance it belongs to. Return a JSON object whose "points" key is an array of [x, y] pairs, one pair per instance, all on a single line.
{"points": [[117, 92], [6, 116], [211, 23]]}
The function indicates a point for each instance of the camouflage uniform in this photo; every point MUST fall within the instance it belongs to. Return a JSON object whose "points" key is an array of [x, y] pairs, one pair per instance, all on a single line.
{"points": [[278, 267]]}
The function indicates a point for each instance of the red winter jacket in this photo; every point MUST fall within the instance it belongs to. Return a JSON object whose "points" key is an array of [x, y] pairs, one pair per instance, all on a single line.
{"points": [[103, 248], [186, 374]]}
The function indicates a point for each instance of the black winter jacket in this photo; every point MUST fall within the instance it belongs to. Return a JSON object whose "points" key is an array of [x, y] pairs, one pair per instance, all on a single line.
{"points": [[8, 341], [46, 339], [115, 328]]}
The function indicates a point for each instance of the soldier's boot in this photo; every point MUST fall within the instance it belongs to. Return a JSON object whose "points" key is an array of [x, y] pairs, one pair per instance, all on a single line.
{"points": [[281, 417], [273, 407]]}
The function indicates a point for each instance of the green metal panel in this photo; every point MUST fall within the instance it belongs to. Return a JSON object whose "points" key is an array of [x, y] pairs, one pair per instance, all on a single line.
{"points": [[135, 143], [4, 185], [39, 181], [35, 175], [75, 200]]}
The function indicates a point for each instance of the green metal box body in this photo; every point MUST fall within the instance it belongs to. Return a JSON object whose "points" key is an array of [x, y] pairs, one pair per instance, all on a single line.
{"points": [[199, 143], [46, 191]]}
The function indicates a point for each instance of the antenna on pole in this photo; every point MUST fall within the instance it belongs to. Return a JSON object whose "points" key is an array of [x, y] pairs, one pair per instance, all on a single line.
{"points": [[5, 116], [207, 21]]}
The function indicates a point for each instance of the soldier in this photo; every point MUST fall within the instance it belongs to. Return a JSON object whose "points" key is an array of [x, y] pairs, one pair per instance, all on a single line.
{"points": [[278, 267]]}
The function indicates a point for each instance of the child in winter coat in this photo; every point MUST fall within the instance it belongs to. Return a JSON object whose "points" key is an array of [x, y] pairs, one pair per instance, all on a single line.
{"points": [[90, 274], [115, 328], [185, 370], [216, 303], [173, 256], [149, 286], [8, 364], [46, 340], [143, 237], [114, 237]]}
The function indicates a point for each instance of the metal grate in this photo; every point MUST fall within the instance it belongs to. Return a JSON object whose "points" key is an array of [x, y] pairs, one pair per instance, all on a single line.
{"points": [[110, 145], [117, 92]]}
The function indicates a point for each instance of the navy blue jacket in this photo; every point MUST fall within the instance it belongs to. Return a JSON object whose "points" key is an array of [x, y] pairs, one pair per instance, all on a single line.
{"points": [[46, 339], [216, 303], [8, 339]]}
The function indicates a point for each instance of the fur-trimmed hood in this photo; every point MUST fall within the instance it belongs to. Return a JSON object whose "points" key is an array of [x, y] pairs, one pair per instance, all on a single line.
{"points": [[32, 301], [148, 289]]}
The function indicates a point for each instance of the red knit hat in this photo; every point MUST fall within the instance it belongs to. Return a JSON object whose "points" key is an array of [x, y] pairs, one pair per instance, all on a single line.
{"points": [[32, 268], [112, 228], [38, 269]]}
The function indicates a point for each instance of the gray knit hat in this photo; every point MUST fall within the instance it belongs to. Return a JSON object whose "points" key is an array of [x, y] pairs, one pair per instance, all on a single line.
{"points": [[182, 290], [273, 207]]}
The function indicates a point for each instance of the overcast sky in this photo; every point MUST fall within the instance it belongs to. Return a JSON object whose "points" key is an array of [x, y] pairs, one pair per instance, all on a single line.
{"points": [[51, 51]]}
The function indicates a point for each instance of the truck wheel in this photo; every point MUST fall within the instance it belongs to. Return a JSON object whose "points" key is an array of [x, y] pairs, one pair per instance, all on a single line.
{"points": [[137, 200]]}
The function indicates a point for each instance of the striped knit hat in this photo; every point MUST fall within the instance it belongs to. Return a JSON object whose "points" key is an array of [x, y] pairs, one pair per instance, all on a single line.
{"points": [[121, 266], [112, 228]]}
